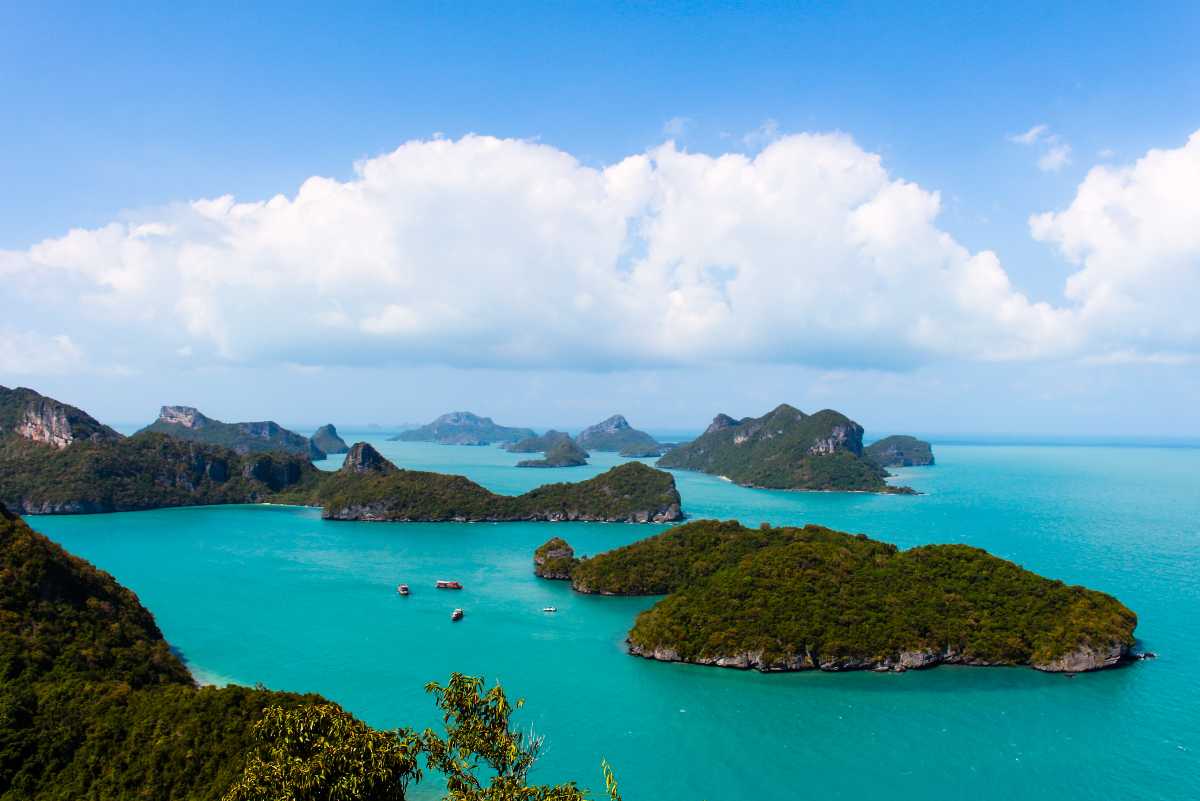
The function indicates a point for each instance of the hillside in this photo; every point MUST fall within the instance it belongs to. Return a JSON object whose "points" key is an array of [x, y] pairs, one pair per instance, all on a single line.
{"points": [[814, 598], [538, 444], [899, 451], [28, 415], [464, 428], [326, 440], [784, 449], [615, 434], [187, 423], [563, 453]]}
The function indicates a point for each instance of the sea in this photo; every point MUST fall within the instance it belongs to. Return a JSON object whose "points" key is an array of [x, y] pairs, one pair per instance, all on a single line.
{"points": [[273, 595]]}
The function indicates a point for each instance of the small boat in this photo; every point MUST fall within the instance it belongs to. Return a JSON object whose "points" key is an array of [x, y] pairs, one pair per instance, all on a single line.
{"points": [[456, 615], [549, 608], [448, 585], [402, 589]]}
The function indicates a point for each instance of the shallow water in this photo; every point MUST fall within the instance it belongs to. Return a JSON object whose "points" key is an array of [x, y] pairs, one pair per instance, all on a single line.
{"points": [[275, 595]]}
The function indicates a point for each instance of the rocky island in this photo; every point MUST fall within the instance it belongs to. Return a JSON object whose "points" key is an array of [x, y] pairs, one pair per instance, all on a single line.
{"points": [[554, 559], [784, 449], [900, 451], [563, 453], [464, 428], [777, 599], [615, 434], [369, 487], [326, 439], [539, 443], [267, 436], [57, 459]]}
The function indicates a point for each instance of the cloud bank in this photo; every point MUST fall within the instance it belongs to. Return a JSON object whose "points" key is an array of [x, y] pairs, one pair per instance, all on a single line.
{"points": [[508, 253]]}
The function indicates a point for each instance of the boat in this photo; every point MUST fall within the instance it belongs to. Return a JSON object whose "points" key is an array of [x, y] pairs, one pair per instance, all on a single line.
{"points": [[549, 608], [448, 585], [402, 589], [457, 614]]}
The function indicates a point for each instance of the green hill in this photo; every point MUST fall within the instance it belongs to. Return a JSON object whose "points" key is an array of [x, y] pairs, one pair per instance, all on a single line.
{"points": [[563, 453], [615, 434], [899, 451], [187, 423], [326, 440], [464, 428]]}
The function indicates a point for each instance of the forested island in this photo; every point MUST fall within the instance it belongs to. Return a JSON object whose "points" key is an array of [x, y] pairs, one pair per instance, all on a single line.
{"points": [[813, 598], [615, 434], [900, 451], [267, 436], [464, 428], [563, 453], [327, 440], [785, 449]]}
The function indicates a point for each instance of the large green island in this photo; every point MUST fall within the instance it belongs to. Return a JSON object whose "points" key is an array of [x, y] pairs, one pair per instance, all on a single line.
{"points": [[785, 599], [785, 449]]}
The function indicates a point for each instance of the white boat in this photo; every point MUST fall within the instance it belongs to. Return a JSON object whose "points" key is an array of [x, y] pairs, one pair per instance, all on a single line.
{"points": [[456, 615], [549, 608]]}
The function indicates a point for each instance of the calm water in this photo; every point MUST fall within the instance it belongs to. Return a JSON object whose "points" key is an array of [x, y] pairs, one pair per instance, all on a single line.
{"points": [[275, 595]]}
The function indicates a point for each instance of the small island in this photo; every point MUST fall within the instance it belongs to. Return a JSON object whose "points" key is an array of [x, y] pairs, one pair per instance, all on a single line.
{"points": [[615, 434], [554, 559], [563, 453], [368, 487], [326, 439], [464, 428], [783, 599], [900, 451], [785, 449], [538, 444]]}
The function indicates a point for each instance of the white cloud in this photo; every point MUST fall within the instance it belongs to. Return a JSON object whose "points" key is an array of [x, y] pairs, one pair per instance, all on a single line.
{"points": [[676, 126], [1055, 158], [30, 353], [1031, 136], [508, 253], [762, 136], [1134, 232]]}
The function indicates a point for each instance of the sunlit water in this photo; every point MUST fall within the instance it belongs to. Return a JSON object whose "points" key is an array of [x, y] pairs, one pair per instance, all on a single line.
{"points": [[277, 596]]}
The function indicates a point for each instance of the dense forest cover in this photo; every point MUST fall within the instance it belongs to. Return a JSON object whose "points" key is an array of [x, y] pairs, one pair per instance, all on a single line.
{"points": [[564, 453], [615, 434], [797, 598], [784, 449], [899, 451]]}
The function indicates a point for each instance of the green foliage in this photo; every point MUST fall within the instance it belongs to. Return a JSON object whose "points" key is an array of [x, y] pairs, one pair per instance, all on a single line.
{"points": [[326, 440], [321, 753], [464, 428], [258, 437], [615, 434], [554, 559], [479, 737], [807, 597], [899, 451], [563, 453], [785, 449], [16, 405], [538, 444]]}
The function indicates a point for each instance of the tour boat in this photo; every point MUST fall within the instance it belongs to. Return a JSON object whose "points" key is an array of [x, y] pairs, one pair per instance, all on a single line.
{"points": [[456, 614], [448, 585], [549, 608], [402, 589]]}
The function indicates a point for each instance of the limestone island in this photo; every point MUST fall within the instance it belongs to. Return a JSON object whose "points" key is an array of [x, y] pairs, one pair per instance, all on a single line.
{"points": [[554, 559], [326, 439], [369, 487], [187, 423], [615, 434], [900, 451], [786, 599], [538, 443], [464, 428], [785, 449], [563, 453]]}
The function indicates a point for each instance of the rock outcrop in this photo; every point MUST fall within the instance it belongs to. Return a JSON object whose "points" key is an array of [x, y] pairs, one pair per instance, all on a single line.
{"points": [[554, 559], [188, 423], [326, 440], [362, 458], [32, 416]]}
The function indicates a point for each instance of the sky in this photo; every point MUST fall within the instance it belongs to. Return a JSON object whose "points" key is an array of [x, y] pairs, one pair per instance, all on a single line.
{"points": [[936, 218]]}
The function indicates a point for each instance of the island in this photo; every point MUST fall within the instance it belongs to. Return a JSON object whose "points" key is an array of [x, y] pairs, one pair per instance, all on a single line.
{"points": [[188, 423], [563, 453], [554, 559], [784, 599], [615, 434], [900, 451], [326, 439], [368, 487], [464, 428], [785, 449], [538, 443], [57, 459]]}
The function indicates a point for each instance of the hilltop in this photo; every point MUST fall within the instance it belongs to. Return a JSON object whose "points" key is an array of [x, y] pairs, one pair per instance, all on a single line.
{"points": [[563, 453], [899, 451], [464, 428], [615, 434], [188, 423]]}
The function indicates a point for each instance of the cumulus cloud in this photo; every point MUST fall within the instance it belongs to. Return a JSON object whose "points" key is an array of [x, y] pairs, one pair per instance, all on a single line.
{"points": [[1055, 158], [508, 253], [1134, 233]]}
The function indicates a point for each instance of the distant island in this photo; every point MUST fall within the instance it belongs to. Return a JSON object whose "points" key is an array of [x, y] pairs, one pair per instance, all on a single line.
{"points": [[327, 440], [368, 487], [784, 449], [464, 428], [615, 434], [782, 599], [538, 443], [188, 423], [899, 451], [563, 453]]}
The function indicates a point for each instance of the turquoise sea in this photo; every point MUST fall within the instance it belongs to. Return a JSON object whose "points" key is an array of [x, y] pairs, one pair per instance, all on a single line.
{"points": [[274, 595]]}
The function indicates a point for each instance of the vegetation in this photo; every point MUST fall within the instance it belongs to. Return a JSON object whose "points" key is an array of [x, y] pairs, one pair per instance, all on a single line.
{"points": [[94, 705], [464, 428], [785, 449], [615, 434], [21, 405], [538, 444], [794, 598], [554, 559], [186, 423], [145, 471], [564, 453], [899, 451], [631, 492], [326, 439]]}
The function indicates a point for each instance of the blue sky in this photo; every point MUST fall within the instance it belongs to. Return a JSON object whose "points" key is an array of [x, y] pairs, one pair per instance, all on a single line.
{"points": [[114, 112]]}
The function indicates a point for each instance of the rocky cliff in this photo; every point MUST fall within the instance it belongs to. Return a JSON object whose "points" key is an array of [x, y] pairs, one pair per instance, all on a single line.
{"points": [[188, 423], [326, 439], [554, 559], [29, 415]]}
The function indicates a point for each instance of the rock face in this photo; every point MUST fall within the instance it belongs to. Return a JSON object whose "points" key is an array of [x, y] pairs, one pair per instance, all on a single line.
{"points": [[615, 434], [464, 428], [563, 453], [900, 451], [784, 449], [188, 423], [32, 416], [554, 560], [326, 439], [364, 459]]}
